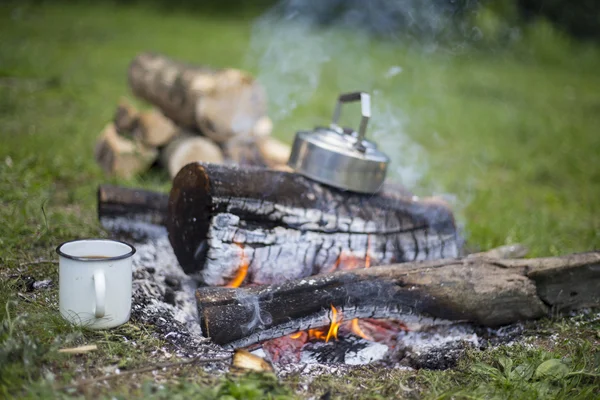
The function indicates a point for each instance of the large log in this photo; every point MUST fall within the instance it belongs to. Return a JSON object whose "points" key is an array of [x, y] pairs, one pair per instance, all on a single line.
{"points": [[282, 226], [489, 292], [220, 103]]}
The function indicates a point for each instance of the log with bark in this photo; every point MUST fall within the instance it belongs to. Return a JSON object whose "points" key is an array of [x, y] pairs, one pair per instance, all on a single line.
{"points": [[274, 152], [490, 292], [244, 150], [154, 129], [132, 212], [125, 117], [120, 156], [219, 103], [280, 226], [187, 148]]}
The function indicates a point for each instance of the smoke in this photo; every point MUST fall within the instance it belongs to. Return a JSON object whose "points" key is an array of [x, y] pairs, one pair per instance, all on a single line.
{"points": [[289, 57], [304, 50], [409, 163], [293, 41]]}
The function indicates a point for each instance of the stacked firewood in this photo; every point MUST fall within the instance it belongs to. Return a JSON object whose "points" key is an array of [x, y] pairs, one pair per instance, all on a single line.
{"points": [[199, 114]]}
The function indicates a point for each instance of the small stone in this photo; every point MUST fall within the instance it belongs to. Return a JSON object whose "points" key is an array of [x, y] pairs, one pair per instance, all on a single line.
{"points": [[151, 269], [45, 284], [169, 296], [26, 282], [173, 282]]}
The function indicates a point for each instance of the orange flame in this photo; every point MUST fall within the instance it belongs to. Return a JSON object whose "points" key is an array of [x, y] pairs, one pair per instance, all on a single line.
{"points": [[355, 328], [335, 324], [296, 335], [241, 272], [368, 256]]}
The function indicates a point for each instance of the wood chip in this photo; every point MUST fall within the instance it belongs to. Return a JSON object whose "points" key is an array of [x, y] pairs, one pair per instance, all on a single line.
{"points": [[245, 360]]}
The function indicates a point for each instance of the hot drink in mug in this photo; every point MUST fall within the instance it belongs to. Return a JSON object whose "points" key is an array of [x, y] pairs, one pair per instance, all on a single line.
{"points": [[95, 282]]}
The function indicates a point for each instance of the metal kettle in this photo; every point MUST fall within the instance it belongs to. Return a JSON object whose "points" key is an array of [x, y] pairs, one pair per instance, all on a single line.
{"points": [[341, 157]]}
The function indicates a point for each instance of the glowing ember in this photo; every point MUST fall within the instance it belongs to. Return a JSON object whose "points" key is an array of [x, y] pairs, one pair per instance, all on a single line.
{"points": [[335, 324], [355, 328], [318, 334], [241, 273], [347, 260], [296, 335], [337, 262]]}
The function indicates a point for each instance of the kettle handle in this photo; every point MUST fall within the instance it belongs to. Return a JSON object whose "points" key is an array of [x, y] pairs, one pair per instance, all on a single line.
{"points": [[365, 109]]}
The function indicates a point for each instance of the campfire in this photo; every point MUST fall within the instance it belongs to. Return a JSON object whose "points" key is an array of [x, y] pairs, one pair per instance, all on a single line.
{"points": [[341, 308], [291, 267]]}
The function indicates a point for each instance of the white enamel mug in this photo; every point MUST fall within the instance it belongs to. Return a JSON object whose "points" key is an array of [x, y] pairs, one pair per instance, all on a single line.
{"points": [[95, 282]]}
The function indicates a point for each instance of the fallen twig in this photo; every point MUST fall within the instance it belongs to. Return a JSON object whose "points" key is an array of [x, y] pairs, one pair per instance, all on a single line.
{"points": [[80, 349], [195, 360], [32, 301]]}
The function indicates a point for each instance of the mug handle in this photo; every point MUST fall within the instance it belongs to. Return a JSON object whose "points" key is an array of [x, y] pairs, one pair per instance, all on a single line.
{"points": [[100, 290]]}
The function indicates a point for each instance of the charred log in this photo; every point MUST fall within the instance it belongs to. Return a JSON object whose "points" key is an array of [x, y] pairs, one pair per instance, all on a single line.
{"points": [[132, 211], [282, 226], [484, 291]]}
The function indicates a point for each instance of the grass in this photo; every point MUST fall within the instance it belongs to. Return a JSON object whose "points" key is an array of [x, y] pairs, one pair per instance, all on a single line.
{"points": [[510, 134]]}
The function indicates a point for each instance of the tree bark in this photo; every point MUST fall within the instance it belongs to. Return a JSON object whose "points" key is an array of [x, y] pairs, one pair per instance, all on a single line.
{"points": [[283, 226], [484, 291], [220, 103], [133, 212]]}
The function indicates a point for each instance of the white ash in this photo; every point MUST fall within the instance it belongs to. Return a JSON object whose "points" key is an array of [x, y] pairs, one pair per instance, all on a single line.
{"points": [[157, 277], [154, 264], [372, 353], [307, 372], [137, 229], [357, 352], [438, 336]]}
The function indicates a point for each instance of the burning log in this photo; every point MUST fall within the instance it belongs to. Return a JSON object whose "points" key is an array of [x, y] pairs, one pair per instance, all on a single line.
{"points": [[287, 226], [489, 292], [131, 211], [220, 103]]}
